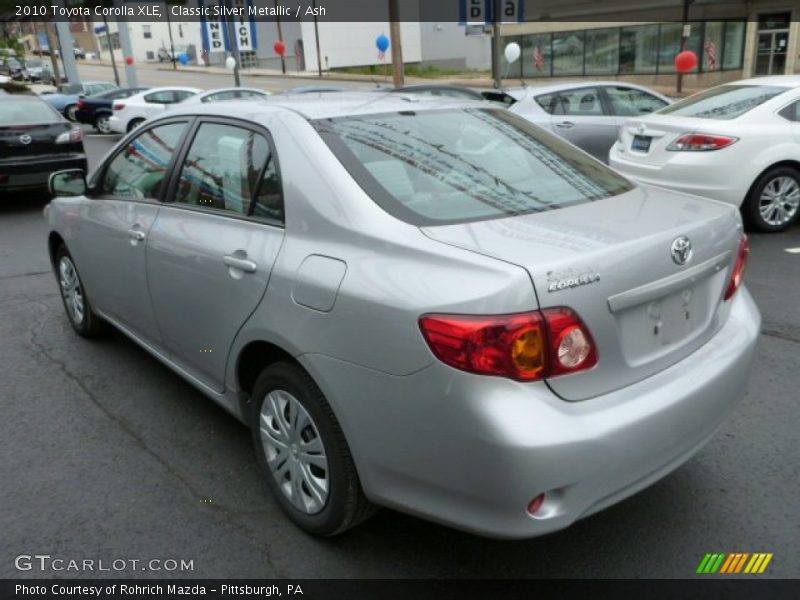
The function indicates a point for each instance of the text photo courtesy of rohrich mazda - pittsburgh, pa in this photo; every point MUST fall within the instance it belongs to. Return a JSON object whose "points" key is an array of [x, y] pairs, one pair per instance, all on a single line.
{"points": [[347, 298]]}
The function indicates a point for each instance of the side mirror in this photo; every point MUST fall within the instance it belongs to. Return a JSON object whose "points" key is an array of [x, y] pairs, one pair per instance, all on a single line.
{"points": [[71, 182]]}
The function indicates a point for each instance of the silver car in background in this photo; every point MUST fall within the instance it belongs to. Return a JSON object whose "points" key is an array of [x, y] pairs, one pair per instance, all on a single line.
{"points": [[426, 304], [588, 114]]}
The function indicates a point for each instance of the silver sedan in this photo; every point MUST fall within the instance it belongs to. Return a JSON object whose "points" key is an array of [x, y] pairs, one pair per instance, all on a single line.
{"points": [[588, 114], [419, 303]]}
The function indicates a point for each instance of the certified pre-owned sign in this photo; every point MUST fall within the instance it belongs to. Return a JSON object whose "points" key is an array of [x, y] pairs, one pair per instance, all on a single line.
{"points": [[48, 563]]}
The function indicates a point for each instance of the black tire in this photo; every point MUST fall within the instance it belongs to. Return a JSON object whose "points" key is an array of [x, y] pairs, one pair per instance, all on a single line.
{"points": [[69, 112], [346, 506], [751, 208], [134, 123], [91, 324]]}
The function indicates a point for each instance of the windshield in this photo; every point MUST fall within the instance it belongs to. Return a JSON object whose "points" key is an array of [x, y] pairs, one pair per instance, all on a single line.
{"points": [[450, 166], [724, 102], [19, 112], [34, 63]]}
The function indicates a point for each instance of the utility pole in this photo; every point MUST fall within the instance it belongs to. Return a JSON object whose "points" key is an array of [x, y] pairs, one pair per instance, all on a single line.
{"points": [[496, 50], [396, 45], [685, 33], [127, 47], [172, 57], [316, 38], [53, 58], [111, 50], [233, 43], [280, 36]]}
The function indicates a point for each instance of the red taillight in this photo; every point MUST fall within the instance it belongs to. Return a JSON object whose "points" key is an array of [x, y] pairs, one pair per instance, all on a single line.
{"points": [[701, 142], [737, 276], [524, 346], [119, 106], [81, 104]]}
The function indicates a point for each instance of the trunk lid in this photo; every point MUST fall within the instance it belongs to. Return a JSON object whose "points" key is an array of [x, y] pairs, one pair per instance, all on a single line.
{"points": [[611, 261], [646, 140], [14, 140]]}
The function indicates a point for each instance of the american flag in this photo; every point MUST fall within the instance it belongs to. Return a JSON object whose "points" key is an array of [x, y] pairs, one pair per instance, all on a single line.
{"points": [[711, 54], [538, 59]]}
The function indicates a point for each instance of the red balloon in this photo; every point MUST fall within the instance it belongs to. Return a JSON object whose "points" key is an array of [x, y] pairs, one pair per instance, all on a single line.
{"points": [[280, 48], [129, 60], [686, 61]]}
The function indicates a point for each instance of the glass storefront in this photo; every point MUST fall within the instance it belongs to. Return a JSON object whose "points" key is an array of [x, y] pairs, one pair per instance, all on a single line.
{"points": [[630, 50]]}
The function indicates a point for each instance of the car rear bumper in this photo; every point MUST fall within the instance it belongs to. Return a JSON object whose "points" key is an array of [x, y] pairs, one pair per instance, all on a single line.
{"points": [[117, 125], [83, 116], [701, 174], [472, 452], [34, 172]]}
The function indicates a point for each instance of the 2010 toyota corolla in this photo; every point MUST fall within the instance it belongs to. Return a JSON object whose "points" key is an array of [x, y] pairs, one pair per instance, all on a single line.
{"points": [[426, 304]]}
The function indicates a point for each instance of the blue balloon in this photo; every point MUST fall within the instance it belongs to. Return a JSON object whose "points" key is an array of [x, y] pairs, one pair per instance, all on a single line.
{"points": [[184, 58], [382, 42]]}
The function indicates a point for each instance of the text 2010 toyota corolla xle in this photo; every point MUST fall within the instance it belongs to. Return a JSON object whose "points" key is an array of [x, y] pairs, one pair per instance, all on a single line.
{"points": [[425, 304]]}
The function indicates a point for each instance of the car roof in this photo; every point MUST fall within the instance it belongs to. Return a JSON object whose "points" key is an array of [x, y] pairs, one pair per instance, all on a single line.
{"points": [[232, 89], [329, 106], [789, 81], [523, 92], [170, 88], [31, 97]]}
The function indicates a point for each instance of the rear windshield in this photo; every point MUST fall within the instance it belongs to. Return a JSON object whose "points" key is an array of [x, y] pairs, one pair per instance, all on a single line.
{"points": [[724, 102], [451, 166], [25, 112]]}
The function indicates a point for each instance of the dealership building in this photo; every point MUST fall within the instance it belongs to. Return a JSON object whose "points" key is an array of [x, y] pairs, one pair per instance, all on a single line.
{"points": [[732, 39]]}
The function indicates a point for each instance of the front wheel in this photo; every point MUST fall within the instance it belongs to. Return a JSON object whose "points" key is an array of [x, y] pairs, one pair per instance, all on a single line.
{"points": [[303, 453], [69, 112], [773, 203], [79, 311]]}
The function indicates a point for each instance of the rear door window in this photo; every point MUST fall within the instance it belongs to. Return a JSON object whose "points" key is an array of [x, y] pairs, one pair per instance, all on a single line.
{"points": [[231, 169], [724, 102], [583, 102]]}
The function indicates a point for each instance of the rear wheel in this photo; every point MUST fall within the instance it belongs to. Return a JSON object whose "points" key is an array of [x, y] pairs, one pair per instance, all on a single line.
{"points": [[134, 124], [303, 453], [79, 310], [69, 112], [773, 203], [103, 123]]}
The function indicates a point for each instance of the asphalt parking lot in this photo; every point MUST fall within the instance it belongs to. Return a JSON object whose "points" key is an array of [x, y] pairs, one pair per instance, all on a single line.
{"points": [[107, 454]]}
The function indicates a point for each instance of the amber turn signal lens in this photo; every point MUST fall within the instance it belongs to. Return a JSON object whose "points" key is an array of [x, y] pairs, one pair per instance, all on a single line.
{"points": [[527, 353]]}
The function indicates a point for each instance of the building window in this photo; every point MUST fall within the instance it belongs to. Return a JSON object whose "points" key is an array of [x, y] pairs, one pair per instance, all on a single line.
{"points": [[734, 45], [568, 53], [536, 55], [633, 50], [103, 39], [150, 55], [602, 51], [638, 49], [146, 32]]}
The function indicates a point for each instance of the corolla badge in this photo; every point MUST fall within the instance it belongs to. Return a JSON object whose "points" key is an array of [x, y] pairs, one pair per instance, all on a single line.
{"points": [[641, 128], [25, 139], [568, 279], [681, 250]]}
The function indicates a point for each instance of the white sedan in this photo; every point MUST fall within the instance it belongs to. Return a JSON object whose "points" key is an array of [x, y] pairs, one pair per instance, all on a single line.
{"points": [[738, 143], [223, 94], [131, 112]]}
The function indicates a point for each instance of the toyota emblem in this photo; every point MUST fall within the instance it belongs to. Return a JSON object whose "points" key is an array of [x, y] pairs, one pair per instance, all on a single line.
{"points": [[681, 250], [25, 139]]}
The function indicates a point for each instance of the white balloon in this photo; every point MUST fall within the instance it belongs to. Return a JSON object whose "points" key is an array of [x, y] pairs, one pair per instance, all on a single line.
{"points": [[230, 63], [512, 52]]}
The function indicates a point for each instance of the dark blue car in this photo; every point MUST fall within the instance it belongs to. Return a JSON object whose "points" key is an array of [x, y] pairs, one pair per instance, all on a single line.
{"points": [[66, 99], [96, 110]]}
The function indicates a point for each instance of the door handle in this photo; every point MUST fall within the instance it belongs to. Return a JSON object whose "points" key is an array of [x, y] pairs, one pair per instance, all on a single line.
{"points": [[136, 234], [237, 262], [565, 124]]}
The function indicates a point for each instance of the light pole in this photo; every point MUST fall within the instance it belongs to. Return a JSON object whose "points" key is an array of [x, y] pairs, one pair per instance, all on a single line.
{"points": [[397, 47], [234, 46]]}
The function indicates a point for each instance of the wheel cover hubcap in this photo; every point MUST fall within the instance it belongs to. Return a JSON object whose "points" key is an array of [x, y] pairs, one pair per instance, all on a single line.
{"points": [[103, 124], [779, 200], [71, 290], [294, 451]]}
